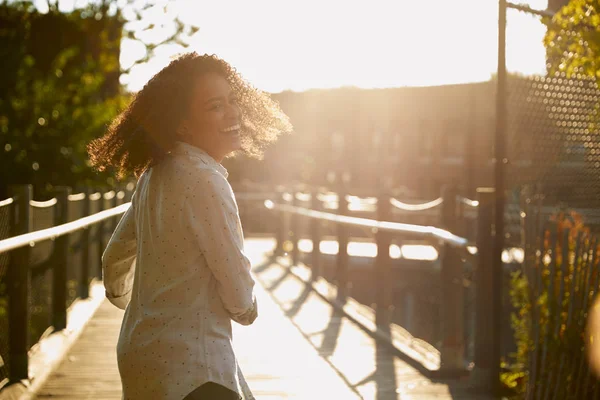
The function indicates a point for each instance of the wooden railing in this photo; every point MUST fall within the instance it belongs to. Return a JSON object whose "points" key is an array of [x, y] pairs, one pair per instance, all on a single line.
{"points": [[22, 242], [453, 248], [292, 204]]}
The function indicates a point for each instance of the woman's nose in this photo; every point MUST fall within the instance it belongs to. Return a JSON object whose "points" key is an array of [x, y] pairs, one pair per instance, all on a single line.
{"points": [[234, 111]]}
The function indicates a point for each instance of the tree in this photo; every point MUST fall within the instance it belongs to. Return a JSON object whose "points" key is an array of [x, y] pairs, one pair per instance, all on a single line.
{"points": [[59, 84], [573, 39]]}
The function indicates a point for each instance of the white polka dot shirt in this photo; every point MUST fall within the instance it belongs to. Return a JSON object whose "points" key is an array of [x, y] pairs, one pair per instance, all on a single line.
{"points": [[176, 265]]}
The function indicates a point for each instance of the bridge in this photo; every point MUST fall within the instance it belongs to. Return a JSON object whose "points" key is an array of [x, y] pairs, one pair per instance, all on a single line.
{"points": [[318, 333]]}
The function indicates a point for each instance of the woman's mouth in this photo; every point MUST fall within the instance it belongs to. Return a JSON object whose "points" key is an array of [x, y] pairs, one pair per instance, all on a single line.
{"points": [[232, 130]]}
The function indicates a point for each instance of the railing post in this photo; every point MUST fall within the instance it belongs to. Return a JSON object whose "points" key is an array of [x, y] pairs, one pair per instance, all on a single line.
{"points": [[315, 234], [280, 225], [84, 292], [452, 353], [295, 228], [128, 193], [343, 236], [60, 261], [19, 285], [383, 265], [114, 203], [100, 236], [487, 369]]}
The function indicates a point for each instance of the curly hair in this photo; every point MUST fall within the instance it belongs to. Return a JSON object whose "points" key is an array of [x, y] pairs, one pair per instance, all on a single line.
{"points": [[143, 133]]}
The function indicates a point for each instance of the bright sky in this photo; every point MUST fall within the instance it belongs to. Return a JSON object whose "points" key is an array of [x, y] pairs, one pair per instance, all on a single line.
{"points": [[302, 44]]}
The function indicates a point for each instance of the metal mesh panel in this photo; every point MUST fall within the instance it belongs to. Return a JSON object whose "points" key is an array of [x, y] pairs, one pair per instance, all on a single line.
{"points": [[553, 141], [553, 152], [40, 299], [4, 259]]}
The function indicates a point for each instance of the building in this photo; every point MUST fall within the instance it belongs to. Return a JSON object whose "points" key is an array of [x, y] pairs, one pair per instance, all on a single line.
{"points": [[422, 138]]}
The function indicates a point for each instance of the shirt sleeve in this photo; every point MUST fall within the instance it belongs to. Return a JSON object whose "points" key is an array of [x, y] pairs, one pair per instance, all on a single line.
{"points": [[212, 216], [118, 261]]}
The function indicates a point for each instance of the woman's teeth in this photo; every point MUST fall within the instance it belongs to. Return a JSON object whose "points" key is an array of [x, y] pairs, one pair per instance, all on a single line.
{"points": [[232, 128]]}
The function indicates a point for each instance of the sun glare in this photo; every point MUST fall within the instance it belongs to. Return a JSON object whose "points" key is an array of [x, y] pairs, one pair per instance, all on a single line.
{"points": [[383, 43]]}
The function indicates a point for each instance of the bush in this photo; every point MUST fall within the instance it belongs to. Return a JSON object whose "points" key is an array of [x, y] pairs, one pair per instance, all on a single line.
{"points": [[552, 295]]}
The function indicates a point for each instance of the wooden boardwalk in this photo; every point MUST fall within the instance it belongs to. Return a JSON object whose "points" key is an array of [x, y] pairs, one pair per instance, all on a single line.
{"points": [[298, 348]]}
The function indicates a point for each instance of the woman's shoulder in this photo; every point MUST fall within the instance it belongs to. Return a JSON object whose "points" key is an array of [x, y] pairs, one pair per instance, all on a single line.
{"points": [[177, 175], [201, 178], [188, 169]]}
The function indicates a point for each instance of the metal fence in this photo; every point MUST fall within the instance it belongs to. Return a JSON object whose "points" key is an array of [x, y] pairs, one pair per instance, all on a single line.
{"points": [[547, 145]]}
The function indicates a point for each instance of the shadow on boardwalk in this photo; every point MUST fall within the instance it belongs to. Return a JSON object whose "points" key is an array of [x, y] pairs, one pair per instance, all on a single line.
{"points": [[371, 368]]}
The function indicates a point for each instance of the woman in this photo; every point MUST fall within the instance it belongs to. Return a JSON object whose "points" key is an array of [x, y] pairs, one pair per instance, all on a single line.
{"points": [[176, 262]]}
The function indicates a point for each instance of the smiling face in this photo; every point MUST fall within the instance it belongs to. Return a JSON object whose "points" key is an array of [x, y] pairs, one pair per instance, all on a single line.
{"points": [[214, 118]]}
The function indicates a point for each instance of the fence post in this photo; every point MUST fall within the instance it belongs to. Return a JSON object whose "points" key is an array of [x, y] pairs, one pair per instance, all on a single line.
{"points": [[100, 235], [18, 289], [128, 193], [114, 202], [452, 352], [280, 223], [60, 261], [315, 228], [295, 227], [487, 369], [341, 276], [84, 291], [383, 265]]}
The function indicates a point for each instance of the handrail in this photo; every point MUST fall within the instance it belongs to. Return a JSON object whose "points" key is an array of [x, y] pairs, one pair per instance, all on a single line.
{"points": [[6, 202], [30, 239], [416, 207], [419, 230], [43, 204]]}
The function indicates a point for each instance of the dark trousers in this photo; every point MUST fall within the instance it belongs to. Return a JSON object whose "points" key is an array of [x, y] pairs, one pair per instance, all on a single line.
{"points": [[212, 391]]}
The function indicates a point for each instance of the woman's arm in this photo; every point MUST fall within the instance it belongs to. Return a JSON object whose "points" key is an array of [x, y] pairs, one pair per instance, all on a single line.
{"points": [[118, 261], [212, 216]]}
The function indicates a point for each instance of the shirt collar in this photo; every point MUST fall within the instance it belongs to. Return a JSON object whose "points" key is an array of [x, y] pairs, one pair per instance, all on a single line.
{"points": [[189, 150]]}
